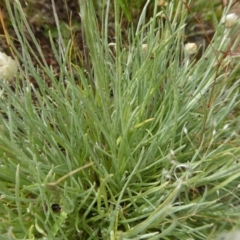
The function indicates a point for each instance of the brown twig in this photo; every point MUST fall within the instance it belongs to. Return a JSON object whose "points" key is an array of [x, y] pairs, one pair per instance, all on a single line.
{"points": [[7, 37], [52, 184], [219, 61]]}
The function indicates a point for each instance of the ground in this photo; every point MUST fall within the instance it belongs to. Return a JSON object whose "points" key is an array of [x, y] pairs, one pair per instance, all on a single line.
{"points": [[41, 18]]}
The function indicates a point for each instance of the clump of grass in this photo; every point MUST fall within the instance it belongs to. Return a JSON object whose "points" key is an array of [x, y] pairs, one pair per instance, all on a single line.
{"points": [[143, 145]]}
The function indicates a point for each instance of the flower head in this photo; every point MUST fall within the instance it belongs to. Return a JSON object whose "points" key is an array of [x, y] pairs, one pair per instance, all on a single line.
{"points": [[144, 47], [190, 48], [230, 20], [162, 3], [234, 235], [8, 67]]}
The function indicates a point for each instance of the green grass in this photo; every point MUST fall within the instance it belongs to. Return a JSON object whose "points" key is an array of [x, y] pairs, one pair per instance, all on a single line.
{"points": [[142, 145]]}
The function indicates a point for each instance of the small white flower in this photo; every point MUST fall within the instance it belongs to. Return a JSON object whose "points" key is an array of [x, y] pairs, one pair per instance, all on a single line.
{"points": [[190, 48], [230, 20], [235, 235], [8, 67], [144, 47], [185, 130], [225, 126], [162, 3]]}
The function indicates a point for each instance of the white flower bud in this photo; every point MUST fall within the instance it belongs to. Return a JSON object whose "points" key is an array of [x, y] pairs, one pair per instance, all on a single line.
{"points": [[230, 20], [8, 67], [144, 47], [162, 3], [235, 235], [185, 130], [190, 48]]}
